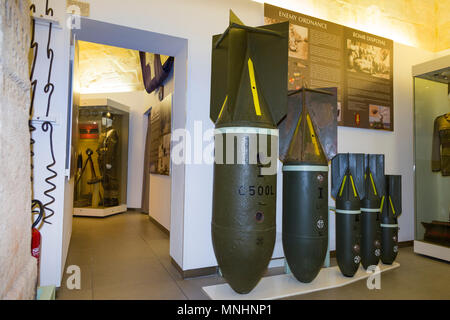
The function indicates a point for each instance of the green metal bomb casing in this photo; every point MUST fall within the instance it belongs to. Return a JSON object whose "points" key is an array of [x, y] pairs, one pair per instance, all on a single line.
{"points": [[370, 210], [346, 185], [248, 98], [305, 219], [305, 189], [391, 209], [243, 224]]}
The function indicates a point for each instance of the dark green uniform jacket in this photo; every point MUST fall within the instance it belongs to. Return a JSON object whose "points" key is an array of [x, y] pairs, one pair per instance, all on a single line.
{"points": [[440, 160]]}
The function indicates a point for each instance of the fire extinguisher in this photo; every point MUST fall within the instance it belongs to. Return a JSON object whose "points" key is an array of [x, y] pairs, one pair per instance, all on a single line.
{"points": [[36, 207]]}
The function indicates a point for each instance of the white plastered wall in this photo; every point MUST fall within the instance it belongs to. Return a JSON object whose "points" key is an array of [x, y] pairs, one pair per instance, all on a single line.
{"points": [[196, 21], [55, 236], [161, 185]]}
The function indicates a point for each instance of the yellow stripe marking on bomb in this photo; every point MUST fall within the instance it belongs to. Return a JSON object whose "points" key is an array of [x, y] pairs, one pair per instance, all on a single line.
{"points": [[251, 72], [295, 132], [313, 134], [342, 186], [382, 203], [392, 206], [223, 106], [373, 184], [353, 186]]}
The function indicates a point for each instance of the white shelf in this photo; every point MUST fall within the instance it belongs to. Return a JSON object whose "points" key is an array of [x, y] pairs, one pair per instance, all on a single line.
{"points": [[43, 119], [432, 250], [46, 20]]}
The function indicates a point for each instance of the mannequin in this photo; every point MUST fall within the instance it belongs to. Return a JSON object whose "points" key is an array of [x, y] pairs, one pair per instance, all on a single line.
{"points": [[440, 159], [93, 181], [107, 161]]}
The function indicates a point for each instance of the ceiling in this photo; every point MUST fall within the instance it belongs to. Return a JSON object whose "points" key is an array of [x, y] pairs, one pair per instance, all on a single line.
{"points": [[105, 69]]}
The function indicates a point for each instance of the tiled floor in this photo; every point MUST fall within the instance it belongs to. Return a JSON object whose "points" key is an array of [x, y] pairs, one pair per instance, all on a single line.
{"points": [[127, 257]]}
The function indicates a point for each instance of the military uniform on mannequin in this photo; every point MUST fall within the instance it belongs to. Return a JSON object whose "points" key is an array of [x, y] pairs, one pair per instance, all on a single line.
{"points": [[441, 145], [107, 161]]}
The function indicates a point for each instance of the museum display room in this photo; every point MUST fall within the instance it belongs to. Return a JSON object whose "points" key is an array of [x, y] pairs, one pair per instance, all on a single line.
{"points": [[100, 184], [431, 114], [225, 150]]}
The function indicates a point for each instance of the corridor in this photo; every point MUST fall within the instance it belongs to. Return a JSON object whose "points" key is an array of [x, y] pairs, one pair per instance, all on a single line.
{"points": [[125, 257]]}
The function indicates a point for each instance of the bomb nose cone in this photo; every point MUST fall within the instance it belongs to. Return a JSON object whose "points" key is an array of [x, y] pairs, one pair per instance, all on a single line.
{"points": [[243, 256], [305, 256]]}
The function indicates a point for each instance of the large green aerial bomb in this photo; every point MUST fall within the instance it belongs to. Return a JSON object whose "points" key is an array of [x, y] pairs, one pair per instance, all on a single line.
{"points": [[248, 99], [370, 210], [347, 172], [305, 184], [391, 208]]}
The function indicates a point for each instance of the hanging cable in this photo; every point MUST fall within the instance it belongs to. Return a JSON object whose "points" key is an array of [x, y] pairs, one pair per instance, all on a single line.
{"points": [[46, 126], [32, 142], [33, 46], [48, 10], [40, 211], [49, 87]]}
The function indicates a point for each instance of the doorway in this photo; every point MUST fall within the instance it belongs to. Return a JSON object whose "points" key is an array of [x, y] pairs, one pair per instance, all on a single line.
{"points": [[94, 33], [135, 39]]}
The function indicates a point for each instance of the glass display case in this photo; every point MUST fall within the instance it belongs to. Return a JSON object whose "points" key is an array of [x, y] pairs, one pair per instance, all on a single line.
{"points": [[102, 158], [432, 158]]}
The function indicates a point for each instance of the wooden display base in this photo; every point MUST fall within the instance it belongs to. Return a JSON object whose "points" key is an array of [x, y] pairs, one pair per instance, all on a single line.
{"points": [[99, 212], [437, 232], [285, 285]]}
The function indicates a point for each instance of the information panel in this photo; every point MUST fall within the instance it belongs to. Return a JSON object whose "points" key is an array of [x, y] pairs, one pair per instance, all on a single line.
{"points": [[160, 137], [325, 54]]}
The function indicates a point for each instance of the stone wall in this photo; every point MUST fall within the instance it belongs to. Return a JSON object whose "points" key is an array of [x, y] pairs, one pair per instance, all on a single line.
{"points": [[18, 270]]}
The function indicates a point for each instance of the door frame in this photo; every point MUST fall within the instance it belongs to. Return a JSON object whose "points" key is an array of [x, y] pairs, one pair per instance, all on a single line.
{"points": [[142, 40]]}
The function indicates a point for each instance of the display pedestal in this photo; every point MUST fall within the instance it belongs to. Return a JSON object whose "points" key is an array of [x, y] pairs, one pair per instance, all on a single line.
{"points": [[99, 212], [285, 285], [432, 250]]}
